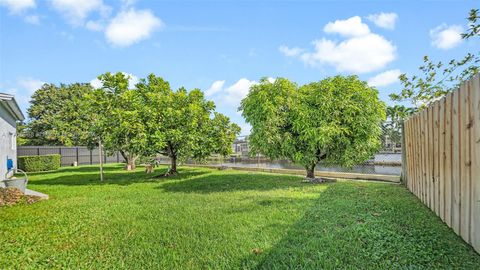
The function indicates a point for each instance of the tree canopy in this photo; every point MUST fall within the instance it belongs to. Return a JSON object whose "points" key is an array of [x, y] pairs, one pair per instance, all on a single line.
{"points": [[118, 119], [336, 120], [54, 115], [183, 124], [146, 120]]}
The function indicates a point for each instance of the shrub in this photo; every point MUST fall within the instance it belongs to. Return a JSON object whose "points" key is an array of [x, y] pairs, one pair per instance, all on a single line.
{"points": [[39, 163]]}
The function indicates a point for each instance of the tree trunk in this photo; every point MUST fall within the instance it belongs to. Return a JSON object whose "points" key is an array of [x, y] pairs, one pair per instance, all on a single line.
{"points": [[130, 159], [173, 166], [100, 157], [311, 172], [131, 166]]}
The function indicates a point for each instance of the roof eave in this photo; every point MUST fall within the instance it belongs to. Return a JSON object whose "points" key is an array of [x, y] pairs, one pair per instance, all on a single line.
{"points": [[12, 105]]}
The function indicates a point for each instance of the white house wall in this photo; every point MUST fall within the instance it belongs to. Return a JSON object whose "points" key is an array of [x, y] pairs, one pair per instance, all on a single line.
{"points": [[7, 149]]}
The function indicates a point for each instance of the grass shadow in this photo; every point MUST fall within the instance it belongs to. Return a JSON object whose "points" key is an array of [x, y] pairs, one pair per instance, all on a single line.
{"points": [[366, 226], [80, 169], [233, 182], [90, 176]]}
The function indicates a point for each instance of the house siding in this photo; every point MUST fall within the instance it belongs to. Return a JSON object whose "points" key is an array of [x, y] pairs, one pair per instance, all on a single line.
{"points": [[7, 150]]}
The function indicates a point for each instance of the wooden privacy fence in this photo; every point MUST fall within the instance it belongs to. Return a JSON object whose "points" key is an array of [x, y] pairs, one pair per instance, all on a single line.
{"points": [[442, 146]]}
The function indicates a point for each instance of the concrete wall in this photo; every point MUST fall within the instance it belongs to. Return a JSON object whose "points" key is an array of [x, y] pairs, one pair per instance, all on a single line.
{"points": [[388, 158], [7, 138]]}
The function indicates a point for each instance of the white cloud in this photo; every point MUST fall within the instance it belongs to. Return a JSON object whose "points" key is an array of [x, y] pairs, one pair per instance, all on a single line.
{"points": [[33, 19], [127, 27], [295, 51], [18, 6], [361, 52], [232, 94], [216, 87], [237, 91], [30, 84], [96, 83], [24, 89], [132, 81], [95, 26], [77, 11], [446, 37], [385, 78], [128, 3], [350, 27], [384, 20], [67, 35], [132, 26]]}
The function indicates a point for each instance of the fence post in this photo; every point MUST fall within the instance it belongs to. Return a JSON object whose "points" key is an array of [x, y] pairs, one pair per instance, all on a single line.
{"points": [[118, 158], [403, 177], [60, 153], [91, 158], [38, 151], [76, 150]]}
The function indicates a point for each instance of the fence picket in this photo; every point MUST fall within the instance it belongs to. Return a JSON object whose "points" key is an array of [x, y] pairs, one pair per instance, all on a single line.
{"points": [[441, 156], [436, 175], [456, 163], [448, 160], [424, 155], [430, 181], [417, 157], [464, 167], [475, 169], [421, 152]]}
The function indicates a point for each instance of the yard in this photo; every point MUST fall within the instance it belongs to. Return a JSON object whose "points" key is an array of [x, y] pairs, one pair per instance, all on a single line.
{"points": [[210, 219]]}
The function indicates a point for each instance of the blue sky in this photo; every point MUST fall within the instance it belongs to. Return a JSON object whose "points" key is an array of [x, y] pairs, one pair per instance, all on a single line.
{"points": [[223, 47]]}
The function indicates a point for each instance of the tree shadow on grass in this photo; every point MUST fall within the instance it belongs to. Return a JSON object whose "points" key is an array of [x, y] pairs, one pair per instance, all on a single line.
{"points": [[81, 169], [233, 182], [366, 226], [113, 175]]}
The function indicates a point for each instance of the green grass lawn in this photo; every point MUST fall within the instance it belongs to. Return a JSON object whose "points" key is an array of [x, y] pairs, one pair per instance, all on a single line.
{"points": [[210, 219]]}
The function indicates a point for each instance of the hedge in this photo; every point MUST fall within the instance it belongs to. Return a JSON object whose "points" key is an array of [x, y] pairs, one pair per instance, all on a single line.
{"points": [[39, 163]]}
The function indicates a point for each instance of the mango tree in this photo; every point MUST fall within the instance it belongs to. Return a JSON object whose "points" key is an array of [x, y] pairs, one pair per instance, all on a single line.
{"points": [[55, 118], [183, 124], [336, 120], [123, 123]]}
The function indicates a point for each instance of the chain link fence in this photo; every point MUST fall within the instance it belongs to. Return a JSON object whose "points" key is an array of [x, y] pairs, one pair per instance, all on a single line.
{"points": [[387, 161]]}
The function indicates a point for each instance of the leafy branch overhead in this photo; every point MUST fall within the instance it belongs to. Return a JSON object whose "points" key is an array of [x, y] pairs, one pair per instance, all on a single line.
{"points": [[473, 24], [439, 78]]}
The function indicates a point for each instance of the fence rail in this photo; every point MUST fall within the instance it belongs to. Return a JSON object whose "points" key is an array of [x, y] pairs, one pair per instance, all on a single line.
{"points": [[443, 159], [81, 154]]}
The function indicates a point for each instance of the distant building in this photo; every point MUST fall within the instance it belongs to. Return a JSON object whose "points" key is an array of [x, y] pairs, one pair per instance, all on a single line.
{"points": [[391, 146], [10, 114], [240, 146]]}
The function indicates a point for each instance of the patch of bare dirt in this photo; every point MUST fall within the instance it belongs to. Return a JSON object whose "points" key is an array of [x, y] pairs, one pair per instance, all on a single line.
{"points": [[11, 196], [319, 180]]}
